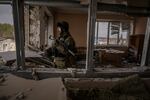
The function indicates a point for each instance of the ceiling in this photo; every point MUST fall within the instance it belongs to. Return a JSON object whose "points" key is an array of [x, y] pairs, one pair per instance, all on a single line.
{"points": [[131, 7], [135, 7]]}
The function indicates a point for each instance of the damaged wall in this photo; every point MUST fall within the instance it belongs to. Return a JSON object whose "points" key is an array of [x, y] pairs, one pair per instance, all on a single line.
{"points": [[34, 27], [26, 22], [46, 26], [37, 27]]}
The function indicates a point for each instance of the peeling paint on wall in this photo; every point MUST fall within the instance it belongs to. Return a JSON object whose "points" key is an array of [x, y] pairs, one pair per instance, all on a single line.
{"points": [[34, 27], [37, 27]]}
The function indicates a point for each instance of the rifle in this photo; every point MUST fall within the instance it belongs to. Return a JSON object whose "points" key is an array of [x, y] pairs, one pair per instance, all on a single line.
{"points": [[62, 44]]}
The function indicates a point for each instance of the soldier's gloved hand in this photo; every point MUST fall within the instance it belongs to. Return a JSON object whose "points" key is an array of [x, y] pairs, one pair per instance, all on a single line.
{"points": [[62, 39], [55, 43]]}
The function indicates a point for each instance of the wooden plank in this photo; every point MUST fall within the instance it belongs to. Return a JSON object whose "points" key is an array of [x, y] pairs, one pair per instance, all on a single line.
{"points": [[67, 74], [79, 73]]}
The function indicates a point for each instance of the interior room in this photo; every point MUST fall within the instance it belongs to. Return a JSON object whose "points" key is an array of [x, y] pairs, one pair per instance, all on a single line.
{"points": [[117, 35], [74, 50]]}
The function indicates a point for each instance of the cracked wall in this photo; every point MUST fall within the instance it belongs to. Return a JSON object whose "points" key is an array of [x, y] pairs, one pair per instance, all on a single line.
{"points": [[34, 27], [37, 20]]}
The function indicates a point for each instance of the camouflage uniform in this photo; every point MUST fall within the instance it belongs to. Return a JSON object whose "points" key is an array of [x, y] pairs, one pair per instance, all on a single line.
{"points": [[61, 46], [62, 50]]}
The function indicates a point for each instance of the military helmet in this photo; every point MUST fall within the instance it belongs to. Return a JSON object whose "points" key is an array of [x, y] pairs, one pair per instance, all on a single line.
{"points": [[63, 25]]}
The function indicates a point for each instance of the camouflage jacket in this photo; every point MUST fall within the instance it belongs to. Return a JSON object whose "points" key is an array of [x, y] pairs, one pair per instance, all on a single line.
{"points": [[68, 43]]}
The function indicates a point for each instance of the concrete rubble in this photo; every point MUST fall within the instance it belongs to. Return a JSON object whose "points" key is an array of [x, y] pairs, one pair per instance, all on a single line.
{"points": [[33, 59], [128, 88]]}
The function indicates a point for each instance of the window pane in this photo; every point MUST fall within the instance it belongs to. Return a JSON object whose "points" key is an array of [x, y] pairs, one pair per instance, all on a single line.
{"points": [[114, 33], [102, 33], [7, 42], [123, 39]]}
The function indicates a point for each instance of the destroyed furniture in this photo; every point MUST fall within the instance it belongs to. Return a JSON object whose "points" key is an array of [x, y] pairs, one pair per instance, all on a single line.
{"points": [[110, 56]]}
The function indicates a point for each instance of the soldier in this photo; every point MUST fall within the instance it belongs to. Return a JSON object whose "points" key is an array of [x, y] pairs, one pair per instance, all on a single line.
{"points": [[64, 46]]}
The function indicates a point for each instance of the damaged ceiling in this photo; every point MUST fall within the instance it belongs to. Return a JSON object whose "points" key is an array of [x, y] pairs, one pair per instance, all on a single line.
{"points": [[127, 7]]}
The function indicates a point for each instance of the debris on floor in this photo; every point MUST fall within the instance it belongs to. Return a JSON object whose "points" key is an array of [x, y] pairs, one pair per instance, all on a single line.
{"points": [[2, 61], [2, 78], [35, 75], [132, 86], [129, 88], [32, 59], [20, 96], [17, 88]]}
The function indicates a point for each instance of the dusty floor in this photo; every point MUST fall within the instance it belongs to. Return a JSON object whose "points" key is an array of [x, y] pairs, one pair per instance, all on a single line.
{"points": [[47, 89]]}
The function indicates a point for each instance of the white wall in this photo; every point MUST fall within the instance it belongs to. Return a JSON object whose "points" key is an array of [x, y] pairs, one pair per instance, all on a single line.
{"points": [[7, 45]]}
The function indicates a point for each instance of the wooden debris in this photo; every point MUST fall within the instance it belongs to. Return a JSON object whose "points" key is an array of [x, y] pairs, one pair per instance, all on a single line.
{"points": [[2, 61], [2, 78], [20, 96], [35, 75]]}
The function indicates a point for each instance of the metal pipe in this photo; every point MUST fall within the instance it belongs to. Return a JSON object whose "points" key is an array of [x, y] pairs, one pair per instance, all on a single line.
{"points": [[90, 34], [108, 32], [97, 37]]}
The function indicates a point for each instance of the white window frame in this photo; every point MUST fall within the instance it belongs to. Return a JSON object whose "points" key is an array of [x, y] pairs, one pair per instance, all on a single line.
{"points": [[109, 21]]}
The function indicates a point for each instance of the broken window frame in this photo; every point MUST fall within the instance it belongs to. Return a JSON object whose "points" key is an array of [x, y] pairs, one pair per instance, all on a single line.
{"points": [[146, 46], [108, 35], [17, 10], [89, 62]]}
